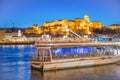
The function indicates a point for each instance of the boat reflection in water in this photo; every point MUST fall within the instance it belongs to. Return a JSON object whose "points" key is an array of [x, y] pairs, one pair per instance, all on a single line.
{"points": [[107, 72]]}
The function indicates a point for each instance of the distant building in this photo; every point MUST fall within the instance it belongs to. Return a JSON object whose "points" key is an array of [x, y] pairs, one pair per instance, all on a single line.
{"points": [[57, 27], [19, 33], [77, 24], [115, 26], [34, 30], [11, 36], [2, 35]]}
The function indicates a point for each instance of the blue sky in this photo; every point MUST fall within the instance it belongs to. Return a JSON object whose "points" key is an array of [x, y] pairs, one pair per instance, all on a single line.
{"points": [[25, 13]]}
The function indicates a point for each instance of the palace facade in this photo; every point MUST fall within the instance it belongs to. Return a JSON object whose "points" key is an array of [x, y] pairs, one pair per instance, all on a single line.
{"points": [[78, 25]]}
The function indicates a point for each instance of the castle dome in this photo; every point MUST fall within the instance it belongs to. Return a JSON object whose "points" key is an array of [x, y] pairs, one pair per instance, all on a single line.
{"points": [[86, 17]]}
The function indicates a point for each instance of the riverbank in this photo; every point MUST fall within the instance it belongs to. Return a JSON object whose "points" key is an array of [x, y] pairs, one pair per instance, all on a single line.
{"points": [[17, 43]]}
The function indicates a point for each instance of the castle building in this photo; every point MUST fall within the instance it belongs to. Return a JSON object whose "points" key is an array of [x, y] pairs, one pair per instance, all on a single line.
{"points": [[76, 24], [79, 25], [34, 30], [86, 17]]}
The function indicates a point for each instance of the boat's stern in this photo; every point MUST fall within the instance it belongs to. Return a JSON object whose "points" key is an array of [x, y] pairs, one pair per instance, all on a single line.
{"points": [[36, 65]]}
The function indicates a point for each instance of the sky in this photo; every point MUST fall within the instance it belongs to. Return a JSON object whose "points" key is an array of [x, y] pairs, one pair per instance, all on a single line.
{"points": [[25, 13]]}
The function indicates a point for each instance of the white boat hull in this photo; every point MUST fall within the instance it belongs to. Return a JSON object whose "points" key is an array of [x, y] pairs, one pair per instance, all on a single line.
{"points": [[74, 63]]}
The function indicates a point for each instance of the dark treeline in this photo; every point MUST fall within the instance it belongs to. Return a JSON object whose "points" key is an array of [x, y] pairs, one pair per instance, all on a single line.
{"points": [[13, 29], [107, 32]]}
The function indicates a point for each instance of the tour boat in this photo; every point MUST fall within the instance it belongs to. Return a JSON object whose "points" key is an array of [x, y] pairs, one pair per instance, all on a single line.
{"points": [[66, 55]]}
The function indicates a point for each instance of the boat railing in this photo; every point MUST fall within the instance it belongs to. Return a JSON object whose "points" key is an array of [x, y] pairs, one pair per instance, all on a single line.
{"points": [[39, 58], [54, 40], [35, 58], [83, 55], [50, 43], [71, 56]]}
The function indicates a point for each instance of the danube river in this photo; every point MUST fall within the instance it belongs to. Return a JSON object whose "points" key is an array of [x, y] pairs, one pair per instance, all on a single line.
{"points": [[15, 65]]}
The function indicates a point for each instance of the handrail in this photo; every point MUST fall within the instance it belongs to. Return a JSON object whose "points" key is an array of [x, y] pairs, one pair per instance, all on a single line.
{"points": [[80, 44]]}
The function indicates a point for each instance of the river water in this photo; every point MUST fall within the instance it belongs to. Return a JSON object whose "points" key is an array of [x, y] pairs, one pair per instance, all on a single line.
{"points": [[15, 65]]}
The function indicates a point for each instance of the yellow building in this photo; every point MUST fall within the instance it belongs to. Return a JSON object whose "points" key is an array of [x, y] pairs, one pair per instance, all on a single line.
{"points": [[2, 35], [115, 26], [57, 27], [76, 24], [34, 30]]}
